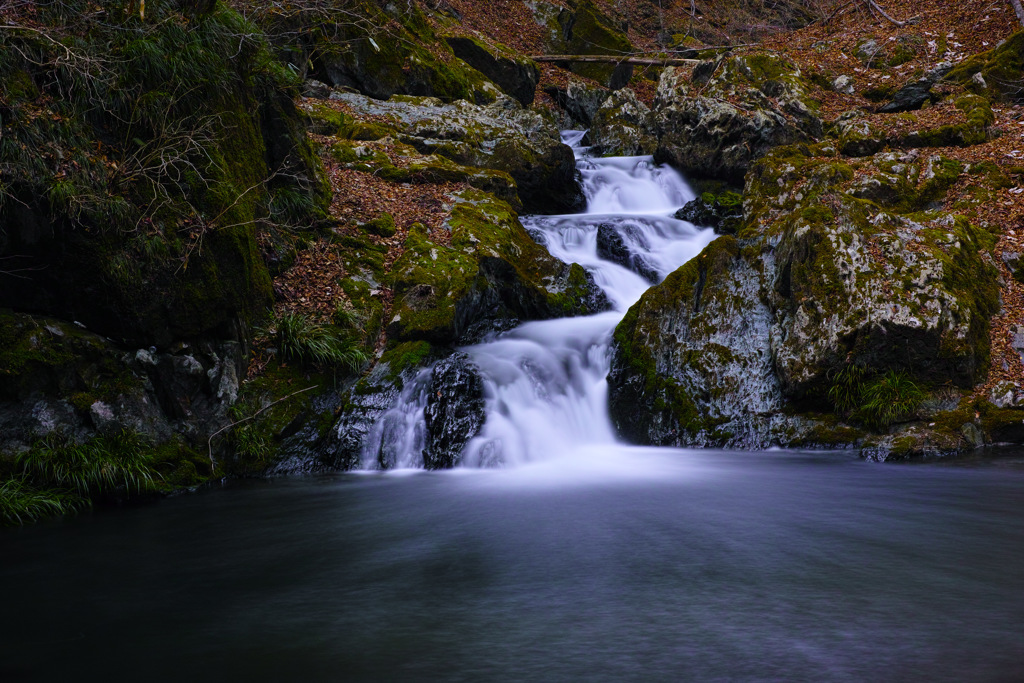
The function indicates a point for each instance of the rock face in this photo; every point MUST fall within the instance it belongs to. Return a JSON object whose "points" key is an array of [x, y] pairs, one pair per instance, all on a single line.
{"points": [[517, 76], [502, 136], [59, 378], [705, 134], [622, 126], [455, 411], [491, 271], [776, 317]]}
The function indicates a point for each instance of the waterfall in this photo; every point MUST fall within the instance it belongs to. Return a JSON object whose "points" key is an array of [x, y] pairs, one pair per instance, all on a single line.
{"points": [[545, 382]]}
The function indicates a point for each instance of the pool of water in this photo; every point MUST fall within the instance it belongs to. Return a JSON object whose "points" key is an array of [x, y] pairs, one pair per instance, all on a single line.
{"points": [[614, 564]]}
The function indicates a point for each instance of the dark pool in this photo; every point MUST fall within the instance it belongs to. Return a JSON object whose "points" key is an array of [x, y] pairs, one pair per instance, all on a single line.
{"points": [[631, 565]]}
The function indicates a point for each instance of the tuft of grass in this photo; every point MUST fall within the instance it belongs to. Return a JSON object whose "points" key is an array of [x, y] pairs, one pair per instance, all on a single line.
{"points": [[21, 503], [101, 466], [847, 386], [303, 341], [889, 398]]}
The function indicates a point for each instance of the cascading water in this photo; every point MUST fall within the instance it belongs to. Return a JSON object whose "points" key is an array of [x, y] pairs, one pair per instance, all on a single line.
{"points": [[545, 382]]}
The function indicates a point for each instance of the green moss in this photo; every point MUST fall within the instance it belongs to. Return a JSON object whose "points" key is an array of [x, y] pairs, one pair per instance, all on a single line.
{"points": [[383, 225], [591, 33], [1002, 68], [406, 356], [683, 287]]}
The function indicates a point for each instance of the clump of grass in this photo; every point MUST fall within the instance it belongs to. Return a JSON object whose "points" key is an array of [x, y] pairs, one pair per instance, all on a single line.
{"points": [[303, 341], [889, 398], [101, 466], [21, 503], [878, 400], [847, 386]]}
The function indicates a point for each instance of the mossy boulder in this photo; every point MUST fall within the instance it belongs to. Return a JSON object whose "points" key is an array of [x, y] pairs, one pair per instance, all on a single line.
{"points": [[735, 111], [501, 137], [516, 75], [1001, 71], [745, 345], [380, 50], [491, 273], [690, 366], [580, 28], [623, 126]]}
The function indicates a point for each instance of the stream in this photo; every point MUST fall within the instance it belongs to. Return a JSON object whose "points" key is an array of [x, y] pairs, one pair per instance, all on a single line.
{"points": [[555, 552]]}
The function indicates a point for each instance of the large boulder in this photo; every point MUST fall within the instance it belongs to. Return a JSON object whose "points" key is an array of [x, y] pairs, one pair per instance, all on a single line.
{"points": [[582, 29], [502, 136], [733, 112], [824, 286], [623, 126], [516, 75], [489, 274]]}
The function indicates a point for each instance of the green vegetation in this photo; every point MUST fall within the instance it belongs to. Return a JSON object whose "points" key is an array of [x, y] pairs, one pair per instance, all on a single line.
{"points": [[878, 400], [60, 475], [305, 342]]}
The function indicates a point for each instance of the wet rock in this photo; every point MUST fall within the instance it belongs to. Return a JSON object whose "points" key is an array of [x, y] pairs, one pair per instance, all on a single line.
{"points": [[723, 212], [580, 100], [612, 247], [623, 126], [454, 413], [517, 76]]}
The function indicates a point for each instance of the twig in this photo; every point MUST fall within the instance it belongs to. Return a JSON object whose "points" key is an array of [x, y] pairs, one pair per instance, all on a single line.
{"points": [[209, 442]]}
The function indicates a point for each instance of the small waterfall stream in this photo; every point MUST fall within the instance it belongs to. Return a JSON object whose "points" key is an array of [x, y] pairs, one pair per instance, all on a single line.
{"points": [[545, 382]]}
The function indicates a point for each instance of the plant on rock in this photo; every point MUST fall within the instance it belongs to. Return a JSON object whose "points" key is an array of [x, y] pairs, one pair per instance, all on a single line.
{"points": [[889, 398], [306, 342], [876, 400]]}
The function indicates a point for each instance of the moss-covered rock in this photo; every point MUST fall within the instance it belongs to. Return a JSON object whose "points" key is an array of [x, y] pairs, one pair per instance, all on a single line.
{"points": [[821, 285], [1001, 70], [501, 137], [623, 126], [739, 109], [516, 75], [492, 273]]}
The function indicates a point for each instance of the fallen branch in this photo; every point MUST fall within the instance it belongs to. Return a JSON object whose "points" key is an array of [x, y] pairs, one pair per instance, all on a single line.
{"points": [[612, 59], [875, 8], [209, 442], [1019, 10]]}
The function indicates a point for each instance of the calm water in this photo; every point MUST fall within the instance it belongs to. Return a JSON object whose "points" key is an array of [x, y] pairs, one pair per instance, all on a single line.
{"points": [[617, 565]]}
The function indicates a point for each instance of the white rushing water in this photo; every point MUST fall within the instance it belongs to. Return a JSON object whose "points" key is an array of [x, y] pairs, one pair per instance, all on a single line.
{"points": [[545, 382]]}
